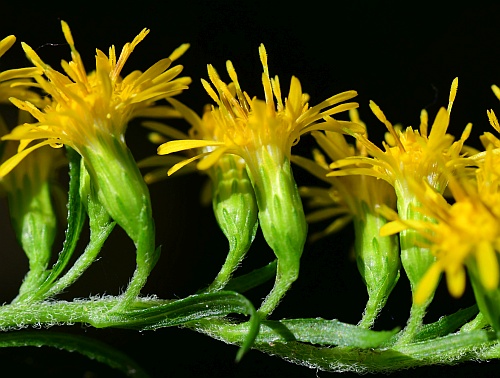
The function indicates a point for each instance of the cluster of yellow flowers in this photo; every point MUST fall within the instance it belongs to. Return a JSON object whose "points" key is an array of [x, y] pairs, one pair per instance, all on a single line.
{"points": [[244, 144]]}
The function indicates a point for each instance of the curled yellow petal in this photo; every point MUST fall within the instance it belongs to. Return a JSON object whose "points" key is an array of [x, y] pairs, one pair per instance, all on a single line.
{"points": [[19, 73], [181, 145]]}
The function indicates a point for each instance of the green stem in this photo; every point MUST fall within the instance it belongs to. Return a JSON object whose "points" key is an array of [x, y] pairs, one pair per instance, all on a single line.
{"points": [[285, 277], [372, 309], [146, 259], [143, 314], [309, 342], [233, 259], [32, 281], [317, 331], [414, 323]]}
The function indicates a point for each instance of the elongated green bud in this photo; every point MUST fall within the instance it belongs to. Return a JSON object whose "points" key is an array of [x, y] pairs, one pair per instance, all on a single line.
{"points": [[123, 193], [281, 218], [378, 261], [415, 258], [235, 210]]}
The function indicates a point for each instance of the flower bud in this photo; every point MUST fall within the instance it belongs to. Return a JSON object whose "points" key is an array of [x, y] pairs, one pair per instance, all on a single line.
{"points": [[415, 258], [235, 210], [378, 261], [123, 193], [281, 218]]}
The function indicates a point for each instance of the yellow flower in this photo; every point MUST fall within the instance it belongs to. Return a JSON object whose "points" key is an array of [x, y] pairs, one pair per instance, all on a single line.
{"points": [[409, 154], [232, 195], [262, 133], [463, 232], [201, 128], [90, 113], [355, 198]]}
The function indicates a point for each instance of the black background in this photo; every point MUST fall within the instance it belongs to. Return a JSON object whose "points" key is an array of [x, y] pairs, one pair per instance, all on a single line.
{"points": [[402, 55]]}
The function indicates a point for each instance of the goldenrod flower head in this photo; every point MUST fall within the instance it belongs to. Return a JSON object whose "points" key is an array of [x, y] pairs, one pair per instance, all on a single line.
{"points": [[88, 107], [231, 193], [355, 198], [464, 230], [408, 154], [242, 125], [262, 132], [17, 82], [89, 112]]}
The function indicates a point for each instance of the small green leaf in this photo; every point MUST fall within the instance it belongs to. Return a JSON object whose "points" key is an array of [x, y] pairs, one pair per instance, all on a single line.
{"points": [[190, 309], [446, 324], [76, 219], [253, 279]]}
